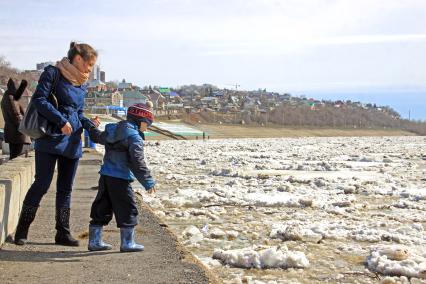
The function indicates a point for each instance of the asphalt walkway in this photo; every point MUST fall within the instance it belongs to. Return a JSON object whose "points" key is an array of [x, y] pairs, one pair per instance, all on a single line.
{"points": [[41, 261]]}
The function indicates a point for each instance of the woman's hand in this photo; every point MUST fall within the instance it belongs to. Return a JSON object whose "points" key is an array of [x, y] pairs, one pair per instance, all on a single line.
{"points": [[96, 121], [67, 129]]}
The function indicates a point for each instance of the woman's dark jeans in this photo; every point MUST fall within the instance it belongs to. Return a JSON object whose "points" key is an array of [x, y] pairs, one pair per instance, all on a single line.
{"points": [[45, 167]]}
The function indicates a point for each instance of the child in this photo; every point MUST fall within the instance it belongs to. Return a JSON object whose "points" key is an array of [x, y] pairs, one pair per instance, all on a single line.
{"points": [[123, 161]]}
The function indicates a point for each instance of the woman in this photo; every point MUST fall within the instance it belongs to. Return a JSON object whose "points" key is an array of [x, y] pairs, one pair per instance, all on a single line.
{"points": [[12, 113], [63, 148]]}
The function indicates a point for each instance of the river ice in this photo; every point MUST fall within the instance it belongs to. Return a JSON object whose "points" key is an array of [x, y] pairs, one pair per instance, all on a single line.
{"points": [[296, 210]]}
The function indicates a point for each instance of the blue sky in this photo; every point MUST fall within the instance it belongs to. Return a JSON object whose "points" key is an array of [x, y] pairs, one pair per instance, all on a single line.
{"points": [[309, 46]]}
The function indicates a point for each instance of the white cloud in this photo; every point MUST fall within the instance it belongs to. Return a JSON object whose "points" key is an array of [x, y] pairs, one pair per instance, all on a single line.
{"points": [[367, 39], [351, 39], [255, 27]]}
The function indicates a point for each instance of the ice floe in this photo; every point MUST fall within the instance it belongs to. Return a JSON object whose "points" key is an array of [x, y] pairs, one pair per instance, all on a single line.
{"points": [[331, 199], [399, 261], [274, 257]]}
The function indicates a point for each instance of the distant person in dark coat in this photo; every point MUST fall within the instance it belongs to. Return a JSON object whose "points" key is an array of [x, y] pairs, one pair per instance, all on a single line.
{"points": [[64, 147], [13, 113]]}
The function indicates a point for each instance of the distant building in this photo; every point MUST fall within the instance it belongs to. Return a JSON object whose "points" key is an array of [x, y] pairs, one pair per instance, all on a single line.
{"points": [[41, 66], [211, 102], [156, 98], [131, 97], [103, 76], [170, 96], [172, 108], [164, 91], [33, 74], [103, 99], [123, 86], [96, 85], [112, 86], [339, 104], [219, 93], [249, 104], [96, 73]]}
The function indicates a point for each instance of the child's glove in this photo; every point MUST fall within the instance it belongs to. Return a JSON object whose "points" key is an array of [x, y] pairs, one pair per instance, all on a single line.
{"points": [[149, 184], [152, 190]]}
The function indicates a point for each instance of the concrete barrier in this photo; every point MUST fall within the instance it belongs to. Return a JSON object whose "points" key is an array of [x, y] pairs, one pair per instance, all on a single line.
{"points": [[5, 148], [3, 220], [16, 177]]}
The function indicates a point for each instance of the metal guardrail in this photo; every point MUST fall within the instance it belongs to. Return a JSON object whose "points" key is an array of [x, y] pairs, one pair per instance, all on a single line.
{"points": [[167, 133], [159, 130]]}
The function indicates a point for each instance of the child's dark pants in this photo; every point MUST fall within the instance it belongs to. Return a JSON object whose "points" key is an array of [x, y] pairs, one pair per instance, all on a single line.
{"points": [[115, 195]]}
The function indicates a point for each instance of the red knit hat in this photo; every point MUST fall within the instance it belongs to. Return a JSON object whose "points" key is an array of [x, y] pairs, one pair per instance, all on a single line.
{"points": [[141, 112]]}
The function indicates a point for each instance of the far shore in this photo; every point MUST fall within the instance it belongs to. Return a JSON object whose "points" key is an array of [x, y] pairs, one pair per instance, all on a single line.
{"points": [[222, 131]]}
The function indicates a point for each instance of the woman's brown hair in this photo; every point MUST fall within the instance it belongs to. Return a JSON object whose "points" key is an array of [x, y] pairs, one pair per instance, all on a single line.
{"points": [[84, 50]]}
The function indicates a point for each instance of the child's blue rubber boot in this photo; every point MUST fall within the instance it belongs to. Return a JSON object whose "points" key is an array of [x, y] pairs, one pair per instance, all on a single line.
{"points": [[95, 239], [128, 240]]}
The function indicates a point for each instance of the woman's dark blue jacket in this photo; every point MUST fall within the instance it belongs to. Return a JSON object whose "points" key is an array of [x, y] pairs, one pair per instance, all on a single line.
{"points": [[70, 109]]}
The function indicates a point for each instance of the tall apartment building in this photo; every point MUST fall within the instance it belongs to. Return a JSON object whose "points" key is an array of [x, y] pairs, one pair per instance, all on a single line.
{"points": [[96, 73], [103, 76]]}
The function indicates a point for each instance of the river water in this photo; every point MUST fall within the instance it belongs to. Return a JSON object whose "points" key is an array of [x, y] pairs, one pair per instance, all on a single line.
{"points": [[305, 210]]}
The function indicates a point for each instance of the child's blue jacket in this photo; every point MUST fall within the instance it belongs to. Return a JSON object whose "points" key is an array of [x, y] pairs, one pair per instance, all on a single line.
{"points": [[124, 153]]}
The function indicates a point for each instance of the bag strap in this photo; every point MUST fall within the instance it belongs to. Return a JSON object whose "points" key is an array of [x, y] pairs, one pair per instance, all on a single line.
{"points": [[55, 83], [52, 94]]}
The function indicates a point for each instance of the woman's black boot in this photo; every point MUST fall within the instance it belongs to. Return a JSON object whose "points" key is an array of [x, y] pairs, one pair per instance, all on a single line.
{"points": [[63, 233], [27, 216]]}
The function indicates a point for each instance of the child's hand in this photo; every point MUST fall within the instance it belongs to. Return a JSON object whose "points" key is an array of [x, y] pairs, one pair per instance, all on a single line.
{"points": [[96, 121], [152, 190]]}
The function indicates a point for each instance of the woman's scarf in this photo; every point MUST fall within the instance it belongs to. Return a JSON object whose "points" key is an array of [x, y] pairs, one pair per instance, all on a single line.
{"points": [[71, 73]]}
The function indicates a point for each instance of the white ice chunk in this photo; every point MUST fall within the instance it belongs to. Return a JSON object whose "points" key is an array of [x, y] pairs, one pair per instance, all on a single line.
{"points": [[273, 257], [191, 231], [397, 261], [217, 233]]}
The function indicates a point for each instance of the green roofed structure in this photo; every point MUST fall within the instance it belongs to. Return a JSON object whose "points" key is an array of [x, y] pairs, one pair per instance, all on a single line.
{"points": [[165, 90], [180, 129], [150, 134]]}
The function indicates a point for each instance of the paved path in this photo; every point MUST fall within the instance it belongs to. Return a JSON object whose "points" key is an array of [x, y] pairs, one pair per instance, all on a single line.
{"points": [[163, 261]]}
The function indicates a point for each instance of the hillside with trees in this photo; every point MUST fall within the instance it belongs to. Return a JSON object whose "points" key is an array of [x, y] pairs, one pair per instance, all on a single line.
{"points": [[209, 104], [8, 71]]}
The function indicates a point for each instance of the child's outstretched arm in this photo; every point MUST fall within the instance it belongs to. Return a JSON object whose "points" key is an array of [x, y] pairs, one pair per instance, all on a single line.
{"points": [[97, 136], [137, 162]]}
